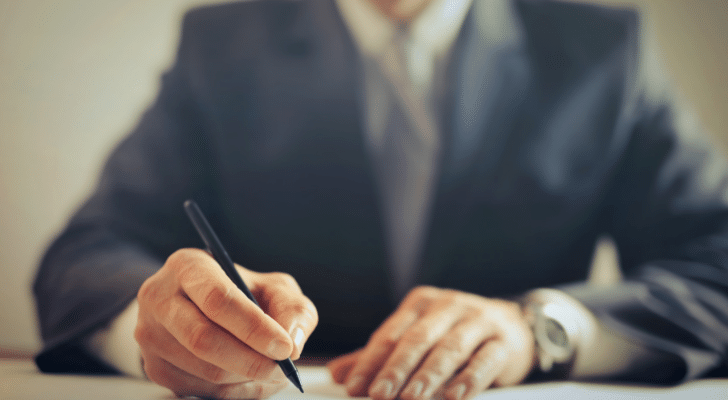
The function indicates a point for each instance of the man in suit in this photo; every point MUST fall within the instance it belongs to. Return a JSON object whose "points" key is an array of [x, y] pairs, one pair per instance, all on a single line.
{"points": [[459, 158]]}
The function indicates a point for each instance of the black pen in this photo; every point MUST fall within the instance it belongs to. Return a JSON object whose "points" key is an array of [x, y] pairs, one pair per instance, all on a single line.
{"points": [[221, 256]]}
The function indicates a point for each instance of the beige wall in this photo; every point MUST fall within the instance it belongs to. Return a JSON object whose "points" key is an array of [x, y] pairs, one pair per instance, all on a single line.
{"points": [[75, 74], [693, 39]]}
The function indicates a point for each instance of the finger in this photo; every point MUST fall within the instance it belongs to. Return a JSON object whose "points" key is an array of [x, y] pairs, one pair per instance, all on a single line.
{"points": [[448, 355], [165, 374], [210, 342], [205, 283], [483, 368], [183, 384], [377, 350], [283, 300], [340, 366], [416, 342], [156, 341], [386, 337]]}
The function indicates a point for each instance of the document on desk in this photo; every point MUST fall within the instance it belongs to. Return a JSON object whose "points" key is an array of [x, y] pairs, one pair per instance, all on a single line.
{"points": [[317, 384], [20, 380]]}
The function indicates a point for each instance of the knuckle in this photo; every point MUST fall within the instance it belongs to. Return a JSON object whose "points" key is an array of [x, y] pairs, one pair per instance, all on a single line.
{"points": [[253, 330], [142, 335], [148, 291], [179, 259], [215, 375], [449, 295], [385, 339], [216, 300], [171, 312], [435, 373], [470, 378], [421, 297], [258, 391], [283, 279], [413, 295], [452, 344], [300, 306], [503, 309], [494, 354], [439, 369], [304, 308], [396, 375], [401, 364], [483, 319], [424, 292], [475, 312], [184, 264], [310, 311], [429, 378], [418, 337], [201, 340], [296, 307], [497, 314], [258, 368]]}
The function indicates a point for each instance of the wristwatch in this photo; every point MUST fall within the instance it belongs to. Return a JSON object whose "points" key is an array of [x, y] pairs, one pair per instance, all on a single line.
{"points": [[556, 331]]}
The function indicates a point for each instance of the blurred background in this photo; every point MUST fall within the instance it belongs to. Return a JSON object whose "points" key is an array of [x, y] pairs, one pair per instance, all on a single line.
{"points": [[76, 74]]}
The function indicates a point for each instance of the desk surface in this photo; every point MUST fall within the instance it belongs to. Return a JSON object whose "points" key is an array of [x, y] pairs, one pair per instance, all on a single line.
{"points": [[20, 380]]}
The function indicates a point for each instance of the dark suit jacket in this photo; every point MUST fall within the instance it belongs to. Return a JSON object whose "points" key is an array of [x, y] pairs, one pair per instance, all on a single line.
{"points": [[549, 141]]}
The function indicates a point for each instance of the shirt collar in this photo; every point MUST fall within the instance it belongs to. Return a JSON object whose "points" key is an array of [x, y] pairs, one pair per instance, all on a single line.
{"points": [[433, 31]]}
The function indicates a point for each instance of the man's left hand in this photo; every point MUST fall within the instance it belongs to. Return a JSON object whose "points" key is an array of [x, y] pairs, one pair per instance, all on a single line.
{"points": [[440, 340]]}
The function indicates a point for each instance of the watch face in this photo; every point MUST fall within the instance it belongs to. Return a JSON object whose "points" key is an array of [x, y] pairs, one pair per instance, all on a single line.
{"points": [[556, 333], [553, 339]]}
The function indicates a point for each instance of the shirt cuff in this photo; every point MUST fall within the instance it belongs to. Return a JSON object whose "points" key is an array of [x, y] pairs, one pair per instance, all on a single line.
{"points": [[115, 343], [600, 352]]}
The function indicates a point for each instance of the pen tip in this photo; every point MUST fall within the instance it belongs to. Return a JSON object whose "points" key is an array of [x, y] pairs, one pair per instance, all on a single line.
{"points": [[296, 381]]}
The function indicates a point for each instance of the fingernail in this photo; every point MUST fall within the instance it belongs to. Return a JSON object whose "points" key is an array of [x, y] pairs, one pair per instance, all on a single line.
{"points": [[415, 390], [353, 384], [383, 388], [458, 391], [278, 349], [298, 337]]}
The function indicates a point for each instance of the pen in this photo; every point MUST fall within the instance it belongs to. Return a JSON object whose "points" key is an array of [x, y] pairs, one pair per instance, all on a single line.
{"points": [[221, 256]]}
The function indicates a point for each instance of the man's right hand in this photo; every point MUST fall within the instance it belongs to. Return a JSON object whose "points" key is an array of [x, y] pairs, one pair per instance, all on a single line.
{"points": [[201, 336]]}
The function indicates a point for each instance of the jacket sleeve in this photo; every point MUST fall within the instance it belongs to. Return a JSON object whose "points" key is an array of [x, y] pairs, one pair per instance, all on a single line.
{"points": [[667, 210], [127, 228]]}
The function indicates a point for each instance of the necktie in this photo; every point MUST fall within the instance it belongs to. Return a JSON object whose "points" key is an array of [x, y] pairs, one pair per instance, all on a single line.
{"points": [[405, 163]]}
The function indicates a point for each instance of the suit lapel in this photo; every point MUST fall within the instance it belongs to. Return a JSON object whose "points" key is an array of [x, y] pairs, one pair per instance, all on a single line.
{"points": [[490, 78], [315, 194]]}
